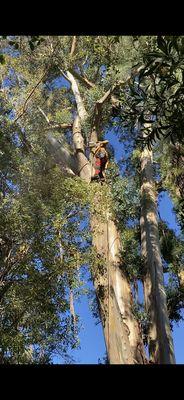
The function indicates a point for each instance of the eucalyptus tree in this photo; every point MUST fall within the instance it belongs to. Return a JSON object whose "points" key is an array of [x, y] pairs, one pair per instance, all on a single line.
{"points": [[91, 71], [37, 266], [64, 93], [154, 100]]}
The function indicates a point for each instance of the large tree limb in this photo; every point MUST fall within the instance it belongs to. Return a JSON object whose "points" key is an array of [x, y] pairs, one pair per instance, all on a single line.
{"points": [[83, 165], [82, 78], [64, 75], [80, 105], [99, 103], [74, 42]]}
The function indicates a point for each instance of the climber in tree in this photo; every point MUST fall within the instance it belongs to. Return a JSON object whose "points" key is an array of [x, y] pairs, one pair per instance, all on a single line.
{"points": [[100, 160]]}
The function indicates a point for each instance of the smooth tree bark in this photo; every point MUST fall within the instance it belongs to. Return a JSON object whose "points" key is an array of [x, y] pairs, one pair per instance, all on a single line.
{"points": [[160, 341], [122, 332], [121, 329]]}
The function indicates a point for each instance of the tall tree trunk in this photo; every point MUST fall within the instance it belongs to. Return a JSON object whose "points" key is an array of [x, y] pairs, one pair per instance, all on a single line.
{"points": [[121, 329], [159, 336]]}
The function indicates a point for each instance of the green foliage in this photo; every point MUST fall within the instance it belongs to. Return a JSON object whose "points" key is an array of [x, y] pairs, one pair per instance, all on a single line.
{"points": [[2, 59], [172, 159], [41, 214], [45, 237], [159, 90], [132, 263], [125, 195], [175, 301], [143, 319]]}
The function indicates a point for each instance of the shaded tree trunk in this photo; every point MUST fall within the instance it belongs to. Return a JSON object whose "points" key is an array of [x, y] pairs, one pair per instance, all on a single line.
{"points": [[159, 336]]}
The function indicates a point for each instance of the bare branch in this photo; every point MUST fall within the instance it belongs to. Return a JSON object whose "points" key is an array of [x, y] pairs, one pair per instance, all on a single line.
{"points": [[105, 97], [80, 105], [45, 116], [72, 310], [74, 41], [56, 126], [64, 75], [115, 86], [24, 108], [83, 79]]}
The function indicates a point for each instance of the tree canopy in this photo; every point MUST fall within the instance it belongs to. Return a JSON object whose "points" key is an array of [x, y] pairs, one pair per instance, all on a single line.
{"points": [[126, 84]]}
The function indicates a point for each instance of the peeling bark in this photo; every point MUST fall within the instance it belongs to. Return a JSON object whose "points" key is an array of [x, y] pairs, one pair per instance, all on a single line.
{"points": [[159, 336]]}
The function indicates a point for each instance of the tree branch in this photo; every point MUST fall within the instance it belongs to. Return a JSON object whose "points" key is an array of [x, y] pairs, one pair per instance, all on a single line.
{"points": [[45, 116], [80, 105], [56, 126], [64, 75], [74, 42], [83, 79], [83, 165], [106, 96], [24, 108]]}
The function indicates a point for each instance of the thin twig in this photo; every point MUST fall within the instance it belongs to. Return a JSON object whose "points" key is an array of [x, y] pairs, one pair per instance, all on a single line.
{"points": [[56, 126], [28, 97], [24, 109], [45, 116], [64, 75]]}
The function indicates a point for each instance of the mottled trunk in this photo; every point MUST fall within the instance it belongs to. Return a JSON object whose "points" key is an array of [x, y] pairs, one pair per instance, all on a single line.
{"points": [[121, 329], [159, 336]]}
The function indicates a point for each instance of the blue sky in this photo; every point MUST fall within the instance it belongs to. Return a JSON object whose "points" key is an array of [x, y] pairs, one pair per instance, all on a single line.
{"points": [[92, 345]]}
